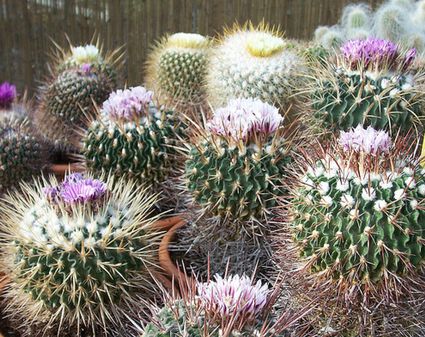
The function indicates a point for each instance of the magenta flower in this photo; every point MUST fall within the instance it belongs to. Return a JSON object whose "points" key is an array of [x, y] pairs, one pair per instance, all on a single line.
{"points": [[7, 95], [233, 297], [128, 104], [369, 141], [242, 119], [85, 68], [76, 189], [377, 53]]}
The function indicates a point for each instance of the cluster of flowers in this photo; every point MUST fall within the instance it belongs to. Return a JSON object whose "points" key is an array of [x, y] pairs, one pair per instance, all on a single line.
{"points": [[368, 141], [377, 54], [7, 95], [85, 54], [128, 104], [76, 189], [243, 119]]}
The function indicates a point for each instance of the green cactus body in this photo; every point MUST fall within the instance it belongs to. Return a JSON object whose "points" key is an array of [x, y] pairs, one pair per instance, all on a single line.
{"points": [[140, 149], [78, 266], [177, 68], [350, 98], [252, 63], [359, 230], [238, 183], [22, 153]]}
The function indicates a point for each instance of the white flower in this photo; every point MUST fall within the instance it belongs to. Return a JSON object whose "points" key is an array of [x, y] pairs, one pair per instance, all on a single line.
{"points": [[399, 194], [327, 201], [323, 187], [380, 205], [421, 189], [86, 54], [368, 194], [347, 201], [342, 185]]}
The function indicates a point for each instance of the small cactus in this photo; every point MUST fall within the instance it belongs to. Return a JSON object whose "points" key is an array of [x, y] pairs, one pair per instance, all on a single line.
{"points": [[133, 138], [23, 152], [176, 69], [76, 254], [80, 80], [356, 17], [371, 86], [252, 62], [357, 222]]}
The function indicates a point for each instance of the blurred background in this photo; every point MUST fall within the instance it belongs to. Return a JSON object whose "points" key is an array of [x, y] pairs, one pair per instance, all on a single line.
{"points": [[27, 27]]}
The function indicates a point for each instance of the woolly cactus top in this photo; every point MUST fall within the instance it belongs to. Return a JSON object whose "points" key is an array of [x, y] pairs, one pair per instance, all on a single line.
{"points": [[85, 54], [376, 54], [369, 141], [264, 44], [187, 40], [233, 297], [245, 120], [127, 105], [7, 95], [76, 189]]}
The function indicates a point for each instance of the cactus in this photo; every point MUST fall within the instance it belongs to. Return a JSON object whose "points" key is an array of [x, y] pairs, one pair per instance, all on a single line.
{"points": [[332, 39], [7, 95], [390, 22], [80, 81], [133, 138], [23, 153], [76, 254], [176, 69], [356, 17], [224, 307], [252, 62], [357, 225], [234, 167], [372, 86]]}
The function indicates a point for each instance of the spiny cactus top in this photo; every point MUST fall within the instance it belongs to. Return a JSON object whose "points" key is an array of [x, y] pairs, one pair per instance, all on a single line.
{"points": [[357, 215], [251, 62], [7, 95], [231, 306], [234, 169], [372, 85], [176, 69], [132, 137], [77, 251]]}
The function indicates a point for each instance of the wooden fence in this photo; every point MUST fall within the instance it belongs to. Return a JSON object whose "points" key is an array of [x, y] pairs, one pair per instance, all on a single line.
{"points": [[27, 26]]}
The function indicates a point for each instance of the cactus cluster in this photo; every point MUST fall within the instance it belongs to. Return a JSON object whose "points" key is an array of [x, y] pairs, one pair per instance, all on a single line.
{"points": [[80, 81], [23, 153], [176, 69], [357, 224], [223, 307], [252, 62], [132, 137], [235, 167], [76, 254], [400, 21], [370, 85]]}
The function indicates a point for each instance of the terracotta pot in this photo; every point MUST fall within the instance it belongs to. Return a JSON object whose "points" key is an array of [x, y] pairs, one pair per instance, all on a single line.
{"points": [[60, 169], [165, 260]]}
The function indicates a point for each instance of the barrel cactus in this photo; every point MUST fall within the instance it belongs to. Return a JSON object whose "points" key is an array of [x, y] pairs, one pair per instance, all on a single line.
{"points": [[80, 81], [252, 62], [235, 166], [224, 307], [23, 152], [76, 254], [357, 224], [176, 69], [132, 137], [370, 86]]}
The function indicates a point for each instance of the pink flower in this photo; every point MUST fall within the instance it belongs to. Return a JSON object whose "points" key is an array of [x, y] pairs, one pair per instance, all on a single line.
{"points": [[368, 141], [128, 104], [233, 297], [242, 119], [7, 95]]}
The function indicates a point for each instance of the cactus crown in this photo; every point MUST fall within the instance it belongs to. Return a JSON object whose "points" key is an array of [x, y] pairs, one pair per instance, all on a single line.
{"points": [[76, 252], [187, 40], [7, 95], [262, 44]]}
